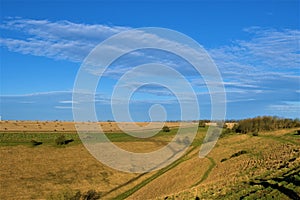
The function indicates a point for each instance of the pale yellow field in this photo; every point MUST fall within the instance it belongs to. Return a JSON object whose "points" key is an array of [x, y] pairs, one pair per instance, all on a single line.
{"points": [[62, 126]]}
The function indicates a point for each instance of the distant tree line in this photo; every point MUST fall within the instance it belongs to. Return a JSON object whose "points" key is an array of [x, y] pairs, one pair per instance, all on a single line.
{"points": [[264, 123], [254, 125]]}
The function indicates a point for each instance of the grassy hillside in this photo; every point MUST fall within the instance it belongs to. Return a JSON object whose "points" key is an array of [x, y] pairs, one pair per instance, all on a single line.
{"points": [[267, 168], [241, 166]]}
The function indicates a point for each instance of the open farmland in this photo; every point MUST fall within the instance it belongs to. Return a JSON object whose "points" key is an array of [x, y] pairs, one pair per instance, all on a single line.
{"points": [[240, 166], [59, 126]]}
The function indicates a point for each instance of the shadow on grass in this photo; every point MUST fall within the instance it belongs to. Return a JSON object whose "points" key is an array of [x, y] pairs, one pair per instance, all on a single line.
{"points": [[288, 192], [289, 178]]}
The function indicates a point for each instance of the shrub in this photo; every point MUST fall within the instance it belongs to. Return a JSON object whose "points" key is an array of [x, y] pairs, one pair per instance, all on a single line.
{"points": [[60, 140], [73, 195], [201, 124], [255, 134], [226, 132], [91, 195], [35, 143], [166, 129], [224, 159]]}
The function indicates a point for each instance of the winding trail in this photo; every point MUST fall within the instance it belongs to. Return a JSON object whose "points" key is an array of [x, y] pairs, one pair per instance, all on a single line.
{"points": [[179, 161], [156, 175], [208, 171]]}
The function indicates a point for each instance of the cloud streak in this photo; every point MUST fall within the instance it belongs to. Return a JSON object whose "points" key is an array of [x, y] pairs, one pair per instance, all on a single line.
{"points": [[61, 40], [265, 50]]}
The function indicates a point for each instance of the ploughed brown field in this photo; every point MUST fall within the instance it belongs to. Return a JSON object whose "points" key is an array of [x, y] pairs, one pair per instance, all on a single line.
{"points": [[240, 166]]}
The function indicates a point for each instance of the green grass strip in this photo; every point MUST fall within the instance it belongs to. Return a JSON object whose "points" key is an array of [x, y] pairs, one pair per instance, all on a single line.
{"points": [[205, 175], [159, 173]]}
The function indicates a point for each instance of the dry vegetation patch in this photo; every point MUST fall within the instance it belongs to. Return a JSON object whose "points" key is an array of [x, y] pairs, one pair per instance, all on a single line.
{"points": [[36, 173]]}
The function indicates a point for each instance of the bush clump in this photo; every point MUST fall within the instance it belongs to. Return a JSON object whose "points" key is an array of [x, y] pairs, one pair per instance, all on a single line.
{"points": [[73, 195], [225, 132], [255, 134], [201, 124], [166, 129], [60, 140], [35, 143], [91, 195]]}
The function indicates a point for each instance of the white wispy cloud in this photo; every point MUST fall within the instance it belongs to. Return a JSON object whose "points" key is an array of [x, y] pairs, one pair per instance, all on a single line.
{"points": [[286, 107], [70, 41], [49, 93], [61, 29], [266, 49], [267, 62], [62, 40], [274, 48]]}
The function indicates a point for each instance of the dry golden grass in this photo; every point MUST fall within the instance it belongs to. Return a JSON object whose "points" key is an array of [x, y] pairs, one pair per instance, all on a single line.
{"points": [[179, 178], [39, 172], [36, 173], [264, 155], [140, 147]]}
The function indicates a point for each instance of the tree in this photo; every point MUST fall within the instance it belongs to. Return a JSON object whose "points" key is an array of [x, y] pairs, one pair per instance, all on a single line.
{"points": [[201, 124]]}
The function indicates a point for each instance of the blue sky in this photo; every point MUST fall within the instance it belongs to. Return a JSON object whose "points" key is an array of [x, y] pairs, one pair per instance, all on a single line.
{"points": [[255, 45]]}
